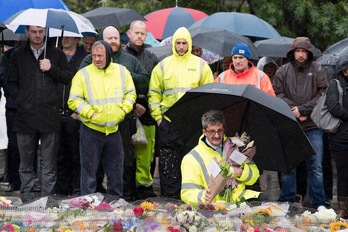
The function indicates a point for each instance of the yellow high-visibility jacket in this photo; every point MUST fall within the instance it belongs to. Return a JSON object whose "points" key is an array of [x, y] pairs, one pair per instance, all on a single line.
{"points": [[110, 93], [196, 175], [176, 74]]}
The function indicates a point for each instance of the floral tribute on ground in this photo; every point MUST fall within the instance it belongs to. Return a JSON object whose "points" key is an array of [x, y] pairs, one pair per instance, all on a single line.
{"points": [[93, 213]]}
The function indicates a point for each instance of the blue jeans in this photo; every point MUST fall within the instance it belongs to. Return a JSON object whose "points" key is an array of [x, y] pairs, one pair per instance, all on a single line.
{"points": [[315, 174], [96, 147]]}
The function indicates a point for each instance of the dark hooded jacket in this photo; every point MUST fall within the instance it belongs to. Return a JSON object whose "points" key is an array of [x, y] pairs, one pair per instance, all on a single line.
{"points": [[333, 104], [63, 90], [301, 85], [35, 91]]}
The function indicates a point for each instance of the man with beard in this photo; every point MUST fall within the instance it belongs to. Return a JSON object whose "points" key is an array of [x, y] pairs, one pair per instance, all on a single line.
{"points": [[300, 83], [127, 128]]}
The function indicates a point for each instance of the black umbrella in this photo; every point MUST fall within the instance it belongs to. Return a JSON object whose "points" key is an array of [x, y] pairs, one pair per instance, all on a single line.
{"points": [[333, 52], [277, 47], [106, 16], [280, 142], [161, 51], [220, 41], [8, 35], [2, 27]]}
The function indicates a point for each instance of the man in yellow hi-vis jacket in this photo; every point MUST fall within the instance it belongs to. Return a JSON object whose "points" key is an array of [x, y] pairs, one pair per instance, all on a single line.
{"points": [[169, 81], [196, 174], [102, 94]]}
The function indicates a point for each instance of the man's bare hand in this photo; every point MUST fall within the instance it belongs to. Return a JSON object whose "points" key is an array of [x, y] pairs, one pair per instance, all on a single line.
{"points": [[45, 65], [74, 115], [139, 110], [295, 111], [303, 118], [207, 195]]}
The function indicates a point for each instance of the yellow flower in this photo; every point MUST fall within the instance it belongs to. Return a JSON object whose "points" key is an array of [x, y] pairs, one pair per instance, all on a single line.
{"points": [[147, 205], [219, 207]]}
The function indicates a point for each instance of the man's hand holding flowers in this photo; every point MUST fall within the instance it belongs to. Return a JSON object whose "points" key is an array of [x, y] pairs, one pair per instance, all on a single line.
{"points": [[236, 151]]}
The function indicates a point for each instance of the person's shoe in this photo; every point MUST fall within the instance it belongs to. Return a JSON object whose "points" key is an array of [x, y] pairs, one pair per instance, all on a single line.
{"points": [[16, 193], [144, 192], [3, 178]]}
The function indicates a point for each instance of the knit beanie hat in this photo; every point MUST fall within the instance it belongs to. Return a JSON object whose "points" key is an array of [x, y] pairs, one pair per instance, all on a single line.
{"points": [[241, 49]]}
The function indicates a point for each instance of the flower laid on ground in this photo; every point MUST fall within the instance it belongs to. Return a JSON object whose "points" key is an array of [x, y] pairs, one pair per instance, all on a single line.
{"points": [[191, 220], [103, 206], [5, 202], [83, 202]]}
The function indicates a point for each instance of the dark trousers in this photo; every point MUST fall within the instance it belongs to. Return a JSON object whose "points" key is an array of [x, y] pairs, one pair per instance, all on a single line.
{"points": [[13, 159], [127, 128], [27, 144], [68, 159], [170, 149], [339, 152], [96, 147]]}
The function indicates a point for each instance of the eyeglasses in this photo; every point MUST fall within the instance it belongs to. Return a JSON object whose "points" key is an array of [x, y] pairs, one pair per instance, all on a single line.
{"points": [[213, 132]]}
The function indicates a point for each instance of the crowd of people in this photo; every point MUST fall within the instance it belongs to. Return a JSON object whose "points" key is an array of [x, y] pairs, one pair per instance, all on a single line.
{"points": [[71, 112]]}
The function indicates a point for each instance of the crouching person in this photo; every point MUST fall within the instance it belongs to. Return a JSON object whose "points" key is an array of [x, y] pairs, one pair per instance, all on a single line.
{"points": [[195, 171]]}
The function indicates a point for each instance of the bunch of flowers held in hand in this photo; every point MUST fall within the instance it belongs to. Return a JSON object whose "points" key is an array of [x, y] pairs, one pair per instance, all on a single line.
{"points": [[243, 145]]}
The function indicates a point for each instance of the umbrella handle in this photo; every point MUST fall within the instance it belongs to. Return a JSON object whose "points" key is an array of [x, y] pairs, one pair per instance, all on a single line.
{"points": [[46, 37]]}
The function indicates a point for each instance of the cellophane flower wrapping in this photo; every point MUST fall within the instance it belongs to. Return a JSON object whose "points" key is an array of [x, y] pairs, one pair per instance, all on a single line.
{"points": [[224, 182]]}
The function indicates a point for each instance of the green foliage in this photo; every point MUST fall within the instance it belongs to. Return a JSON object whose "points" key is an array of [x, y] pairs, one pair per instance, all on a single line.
{"points": [[323, 21]]}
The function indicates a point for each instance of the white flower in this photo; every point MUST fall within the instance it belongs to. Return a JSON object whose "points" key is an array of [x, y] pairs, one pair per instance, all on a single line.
{"points": [[237, 141], [193, 229], [326, 215], [180, 217]]}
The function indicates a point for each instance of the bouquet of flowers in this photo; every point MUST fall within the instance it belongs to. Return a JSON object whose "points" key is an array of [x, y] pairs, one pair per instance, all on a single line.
{"points": [[236, 151]]}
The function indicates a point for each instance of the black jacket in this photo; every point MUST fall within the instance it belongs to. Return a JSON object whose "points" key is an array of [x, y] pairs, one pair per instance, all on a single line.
{"points": [[35, 92], [332, 102], [149, 61], [64, 90]]}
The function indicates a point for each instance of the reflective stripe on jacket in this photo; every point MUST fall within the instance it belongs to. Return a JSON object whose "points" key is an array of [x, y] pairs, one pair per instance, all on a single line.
{"points": [[251, 76], [195, 176], [110, 93]]}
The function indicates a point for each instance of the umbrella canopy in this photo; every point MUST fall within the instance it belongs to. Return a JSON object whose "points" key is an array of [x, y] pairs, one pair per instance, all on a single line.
{"points": [[161, 51], [2, 27], [240, 23], [333, 52], [8, 35], [280, 142], [49, 18], [220, 41], [84, 26], [277, 47], [106, 16], [9, 8], [163, 23]]}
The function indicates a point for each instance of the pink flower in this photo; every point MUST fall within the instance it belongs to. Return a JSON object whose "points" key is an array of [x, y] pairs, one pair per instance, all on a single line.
{"points": [[103, 206]]}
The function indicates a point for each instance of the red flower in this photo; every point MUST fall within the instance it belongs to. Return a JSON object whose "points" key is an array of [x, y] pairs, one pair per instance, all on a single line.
{"points": [[138, 211], [103, 206], [172, 229], [117, 227]]}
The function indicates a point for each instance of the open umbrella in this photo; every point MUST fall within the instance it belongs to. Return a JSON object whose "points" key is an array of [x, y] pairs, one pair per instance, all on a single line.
{"points": [[161, 51], [163, 23], [9, 8], [277, 47], [84, 26], [2, 27], [220, 41], [49, 18], [240, 23], [106, 16], [333, 52], [280, 142], [8, 35]]}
